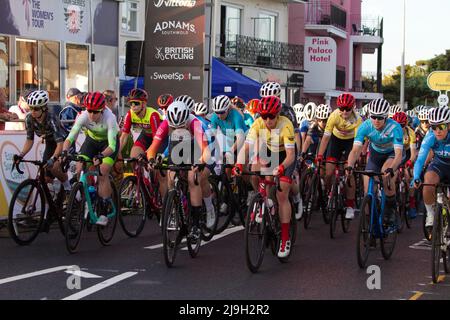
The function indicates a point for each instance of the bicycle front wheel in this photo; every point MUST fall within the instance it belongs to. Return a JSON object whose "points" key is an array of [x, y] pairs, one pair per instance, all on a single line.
{"points": [[255, 233], [26, 212], [172, 227], [75, 217], [436, 244], [106, 233], [333, 209], [133, 205], [311, 186], [389, 237], [364, 236]]}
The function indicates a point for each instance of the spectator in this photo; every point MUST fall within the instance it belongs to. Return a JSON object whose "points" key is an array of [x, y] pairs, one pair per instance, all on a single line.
{"points": [[71, 109], [21, 109], [111, 101], [5, 115]]}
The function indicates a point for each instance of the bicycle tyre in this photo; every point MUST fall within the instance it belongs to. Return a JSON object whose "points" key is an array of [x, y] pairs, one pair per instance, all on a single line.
{"points": [[446, 238], [135, 227], [60, 214], [242, 199], [308, 200], [106, 233], [29, 221], [401, 201], [208, 233], [254, 263], [75, 217], [364, 236], [389, 238], [436, 244], [171, 211], [333, 208], [224, 218], [345, 223]]}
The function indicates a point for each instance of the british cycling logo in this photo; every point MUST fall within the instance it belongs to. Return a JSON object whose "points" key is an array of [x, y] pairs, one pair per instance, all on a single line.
{"points": [[174, 28], [174, 53], [174, 3]]}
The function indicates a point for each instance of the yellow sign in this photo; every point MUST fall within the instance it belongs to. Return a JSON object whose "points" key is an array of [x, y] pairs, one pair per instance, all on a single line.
{"points": [[439, 81]]}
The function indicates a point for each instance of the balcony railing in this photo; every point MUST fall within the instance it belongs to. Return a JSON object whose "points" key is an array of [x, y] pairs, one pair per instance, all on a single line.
{"points": [[340, 78], [366, 26], [251, 51], [326, 13]]}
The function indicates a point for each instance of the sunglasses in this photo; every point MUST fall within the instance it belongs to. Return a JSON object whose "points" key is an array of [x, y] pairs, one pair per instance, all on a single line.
{"points": [[221, 112], [379, 118], [94, 111], [345, 109], [35, 108], [441, 127], [135, 103], [268, 116], [424, 122]]}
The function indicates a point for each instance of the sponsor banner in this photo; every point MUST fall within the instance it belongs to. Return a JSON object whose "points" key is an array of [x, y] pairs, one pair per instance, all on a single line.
{"points": [[174, 80], [68, 20]]}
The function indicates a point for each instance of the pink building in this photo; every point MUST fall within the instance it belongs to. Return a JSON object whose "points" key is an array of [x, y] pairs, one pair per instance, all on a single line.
{"points": [[335, 37]]}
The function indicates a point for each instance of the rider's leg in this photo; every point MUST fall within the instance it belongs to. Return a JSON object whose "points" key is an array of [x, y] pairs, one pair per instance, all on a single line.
{"points": [[429, 195], [412, 199], [284, 210], [391, 201]]}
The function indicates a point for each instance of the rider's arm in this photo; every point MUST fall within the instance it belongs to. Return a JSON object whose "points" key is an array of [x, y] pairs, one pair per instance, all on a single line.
{"points": [[308, 142], [161, 134], [73, 135], [398, 147], [113, 130], [27, 147], [58, 150], [239, 133], [201, 140], [412, 145], [126, 129], [30, 136], [155, 122], [358, 145], [425, 148]]}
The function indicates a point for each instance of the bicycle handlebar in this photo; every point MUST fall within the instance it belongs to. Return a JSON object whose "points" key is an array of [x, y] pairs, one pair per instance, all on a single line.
{"points": [[77, 158], [35, 162]]}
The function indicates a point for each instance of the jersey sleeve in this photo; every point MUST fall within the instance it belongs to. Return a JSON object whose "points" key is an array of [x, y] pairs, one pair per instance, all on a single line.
{"points": [[361, 132], [79, 123], [330, 125], [252, 134], [155, 121], [127, 123], [239, 123], [288, 136], [29, 127], [425, 148], [412, 138], [113, 130], [161, 134], [55, 126], [398, 137]]}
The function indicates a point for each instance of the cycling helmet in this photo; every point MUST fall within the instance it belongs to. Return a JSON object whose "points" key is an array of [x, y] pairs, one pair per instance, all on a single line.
{"points": [[346, 100], [221, 104], [200, 109], [439, 115], [300, 117], [298, 108], [420, 108], [323, 111], [95, 101], [394, 109], [138, 95], [238, 102], [379, 107], [401, 117], [270, 105], [423, 115], [177, 114], [38, 99], [187, 100], [411, 113], [165, 100], [253, 106], [270, 89], [309, 111]]}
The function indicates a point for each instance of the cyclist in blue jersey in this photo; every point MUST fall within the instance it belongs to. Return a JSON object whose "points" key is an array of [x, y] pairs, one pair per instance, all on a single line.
{"points": [[385, 148], [232, 126], [309, 112], [316, 130], [437, 140], [239, 104]]}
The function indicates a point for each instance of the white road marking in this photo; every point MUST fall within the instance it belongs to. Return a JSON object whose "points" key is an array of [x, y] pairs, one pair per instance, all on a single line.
{"points": [[223, 234], [107, 283], [34, 274], [421, 245], [83, 274]]}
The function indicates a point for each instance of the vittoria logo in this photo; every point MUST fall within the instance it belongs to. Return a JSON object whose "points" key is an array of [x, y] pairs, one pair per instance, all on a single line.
{"points": [[174, 3], [174, 28]]}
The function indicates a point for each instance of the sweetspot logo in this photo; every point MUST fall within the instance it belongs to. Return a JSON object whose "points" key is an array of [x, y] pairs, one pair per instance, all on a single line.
{"points": [[177, 76], [174, 28], [174, 3]]}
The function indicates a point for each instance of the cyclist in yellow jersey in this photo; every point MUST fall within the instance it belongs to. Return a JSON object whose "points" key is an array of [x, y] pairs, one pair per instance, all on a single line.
{"points": [[272, 136], [141, 116], [340, 132], [409, 156]]}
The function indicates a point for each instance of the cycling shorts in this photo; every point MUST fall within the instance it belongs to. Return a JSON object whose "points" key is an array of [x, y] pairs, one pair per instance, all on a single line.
{"points": [[91, 148], [338, 148], [376, 160], [441, 169]]}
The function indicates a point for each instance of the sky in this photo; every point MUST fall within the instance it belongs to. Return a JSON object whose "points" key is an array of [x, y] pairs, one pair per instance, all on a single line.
{"points": [[427, 31]]}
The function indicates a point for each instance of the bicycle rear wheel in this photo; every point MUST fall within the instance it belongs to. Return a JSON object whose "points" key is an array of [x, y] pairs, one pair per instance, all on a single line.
{"points": [[26, 212], [310, 185], [436, 243], [134, 207], [106, 233], [364, 236], [226, 210], [208, 233], [333, 209], [171, 227], [75, 217], [255, 233], [389, 237]]}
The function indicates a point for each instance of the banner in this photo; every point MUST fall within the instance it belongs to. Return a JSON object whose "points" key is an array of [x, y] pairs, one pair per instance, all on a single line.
{"points": [[320, 60], [174, 39]]}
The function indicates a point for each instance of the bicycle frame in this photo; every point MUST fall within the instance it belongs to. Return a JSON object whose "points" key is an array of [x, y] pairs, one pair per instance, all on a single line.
{"points": [[376, 218]]}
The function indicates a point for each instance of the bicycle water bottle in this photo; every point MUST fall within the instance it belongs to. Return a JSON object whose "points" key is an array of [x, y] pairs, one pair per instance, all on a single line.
{"points": [[92, 193], [271, 206]]}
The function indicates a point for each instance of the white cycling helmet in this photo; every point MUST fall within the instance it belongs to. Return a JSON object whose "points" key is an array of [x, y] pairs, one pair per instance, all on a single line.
{"points": [[221, 104], [379, 107], [323, 111], [364, 110], [299, 116], [394, 109], [270, 89], [200, 109], [177, 114], [423, 114], [38, 99], [420, 108], [411, 113], [298, 108], [309, 111], [439, 115], [187, 100]]}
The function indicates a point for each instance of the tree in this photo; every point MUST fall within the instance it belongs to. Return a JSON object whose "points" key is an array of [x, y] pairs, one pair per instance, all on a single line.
{"points": [[416, 88]]}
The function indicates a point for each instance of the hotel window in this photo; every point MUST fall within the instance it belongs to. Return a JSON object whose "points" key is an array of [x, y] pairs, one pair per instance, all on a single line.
{"points": [[4, 69], [77, 76], [265, 25], [38, 66], [129, 16]]}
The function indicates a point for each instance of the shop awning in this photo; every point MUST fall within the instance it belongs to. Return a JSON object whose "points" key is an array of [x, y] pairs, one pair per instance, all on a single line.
{"points": [[231, 83]]}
